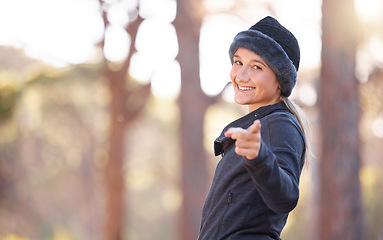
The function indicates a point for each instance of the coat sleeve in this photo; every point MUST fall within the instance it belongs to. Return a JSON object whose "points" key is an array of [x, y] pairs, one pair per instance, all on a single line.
{"points": [[276, 171]]}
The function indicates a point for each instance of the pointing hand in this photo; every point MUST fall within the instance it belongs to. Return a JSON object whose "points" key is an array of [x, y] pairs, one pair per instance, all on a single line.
{"points": [[248, 141]]}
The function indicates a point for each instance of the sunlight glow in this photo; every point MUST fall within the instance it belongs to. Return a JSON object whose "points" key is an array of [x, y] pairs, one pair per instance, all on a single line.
{"points": [[157, 48], [117, 43], [369, 55], [166, 81], [157, 40], [117, 13], [376, 49], [141, 69], [44, 30], [307, 94], [377, 127], [369, 10], [363, 65], [49, 34], [160, 10]]}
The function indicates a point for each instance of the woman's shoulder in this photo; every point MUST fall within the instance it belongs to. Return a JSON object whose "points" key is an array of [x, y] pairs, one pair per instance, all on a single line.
{"points": [[282, 116], [283, 124]]}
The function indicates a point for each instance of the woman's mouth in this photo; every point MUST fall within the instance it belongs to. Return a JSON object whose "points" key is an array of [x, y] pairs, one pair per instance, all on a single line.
{"points": [[245, 88]]}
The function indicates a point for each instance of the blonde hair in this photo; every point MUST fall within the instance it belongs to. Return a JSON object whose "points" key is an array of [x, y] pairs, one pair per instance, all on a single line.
{"points": [[303, 121]]}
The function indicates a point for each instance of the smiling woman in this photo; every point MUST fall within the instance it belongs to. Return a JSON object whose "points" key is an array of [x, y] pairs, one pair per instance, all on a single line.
{"points": [[257, 179], [254, 82]]}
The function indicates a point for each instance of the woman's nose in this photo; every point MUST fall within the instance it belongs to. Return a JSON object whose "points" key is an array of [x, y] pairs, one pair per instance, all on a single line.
{"points": [[243, 74]]}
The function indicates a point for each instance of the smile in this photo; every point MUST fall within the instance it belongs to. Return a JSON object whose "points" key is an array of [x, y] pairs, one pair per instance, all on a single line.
{"points": [[245, 88]]}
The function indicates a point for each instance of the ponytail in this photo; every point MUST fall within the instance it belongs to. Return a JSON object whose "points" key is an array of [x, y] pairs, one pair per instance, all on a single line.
{"points": [[303, 121]]}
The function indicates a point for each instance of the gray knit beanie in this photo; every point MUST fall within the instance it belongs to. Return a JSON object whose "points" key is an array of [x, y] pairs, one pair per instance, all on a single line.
{"points": [[276, 45]]}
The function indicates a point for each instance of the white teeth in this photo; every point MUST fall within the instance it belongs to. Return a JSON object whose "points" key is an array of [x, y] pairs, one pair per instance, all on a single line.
{"points": [[245, 88]]}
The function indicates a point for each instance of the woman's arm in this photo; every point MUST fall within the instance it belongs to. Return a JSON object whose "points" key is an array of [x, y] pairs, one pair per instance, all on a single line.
{"points": [[273, 160]]}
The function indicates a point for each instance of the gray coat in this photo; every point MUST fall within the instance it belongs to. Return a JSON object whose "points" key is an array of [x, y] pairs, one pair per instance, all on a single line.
{"points": [[251, 199]]}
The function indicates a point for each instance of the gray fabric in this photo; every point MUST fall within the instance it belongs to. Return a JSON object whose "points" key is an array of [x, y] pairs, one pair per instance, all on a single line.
{"points": [[251, 199]]}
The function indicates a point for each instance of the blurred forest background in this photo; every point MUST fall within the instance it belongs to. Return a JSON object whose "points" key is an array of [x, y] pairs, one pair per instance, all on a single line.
{"points": [[108, 112]]}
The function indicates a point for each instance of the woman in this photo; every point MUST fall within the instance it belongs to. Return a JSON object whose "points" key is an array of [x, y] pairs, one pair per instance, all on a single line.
{"points": [[256, 183]]}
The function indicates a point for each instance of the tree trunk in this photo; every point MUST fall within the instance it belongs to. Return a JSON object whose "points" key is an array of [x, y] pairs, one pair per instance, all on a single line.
{"points": [[340, 208], [122, 113], [113, 170], [193, 104]]}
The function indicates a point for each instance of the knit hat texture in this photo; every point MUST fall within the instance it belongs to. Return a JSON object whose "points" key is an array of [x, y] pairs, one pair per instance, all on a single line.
{"points": [[276, 45]]}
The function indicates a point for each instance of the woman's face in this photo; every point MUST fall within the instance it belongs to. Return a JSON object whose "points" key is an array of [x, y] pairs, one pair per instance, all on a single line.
{"points": [[255, 84]]}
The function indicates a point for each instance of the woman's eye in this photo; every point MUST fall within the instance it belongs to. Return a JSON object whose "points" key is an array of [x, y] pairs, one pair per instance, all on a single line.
{"points": [[257, 67], [238, 62]]}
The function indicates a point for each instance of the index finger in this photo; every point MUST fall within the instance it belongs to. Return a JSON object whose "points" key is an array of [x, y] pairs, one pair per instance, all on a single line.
{"points": [[234, 133], [255, 127]]}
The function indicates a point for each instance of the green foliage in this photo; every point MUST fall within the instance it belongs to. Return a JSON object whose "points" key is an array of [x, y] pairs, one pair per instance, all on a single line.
{"points": [[12, 85], [8, 99], [10, 91]]}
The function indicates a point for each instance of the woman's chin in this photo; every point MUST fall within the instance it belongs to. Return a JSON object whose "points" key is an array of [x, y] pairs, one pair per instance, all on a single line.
{"points": [[241, 101]]}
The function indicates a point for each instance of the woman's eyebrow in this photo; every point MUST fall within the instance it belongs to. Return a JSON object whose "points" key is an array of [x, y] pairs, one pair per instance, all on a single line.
{"points": [[253, 60], [237, 56], [259, 61]]}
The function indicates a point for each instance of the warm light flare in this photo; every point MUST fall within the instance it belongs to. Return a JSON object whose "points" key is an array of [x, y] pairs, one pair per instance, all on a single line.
{"points": [[369, 10], [377, 127]]}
